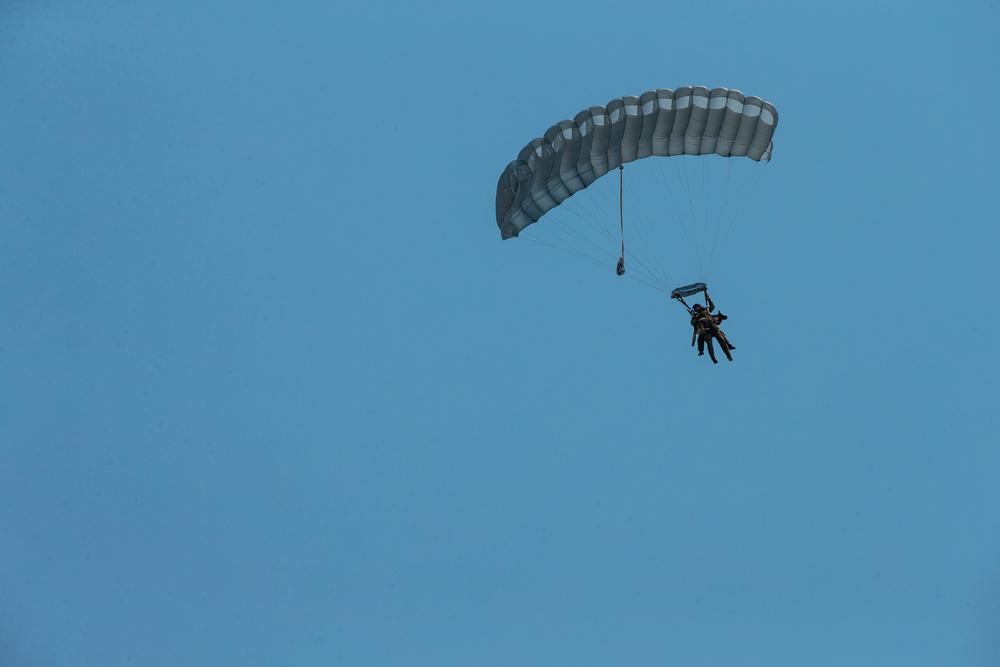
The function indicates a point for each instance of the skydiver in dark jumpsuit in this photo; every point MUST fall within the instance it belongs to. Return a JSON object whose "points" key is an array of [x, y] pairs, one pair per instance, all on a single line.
{"points": [[706, 327]]}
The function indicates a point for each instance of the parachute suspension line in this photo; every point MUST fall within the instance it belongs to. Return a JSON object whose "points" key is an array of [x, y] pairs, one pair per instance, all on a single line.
{"points": [[561, 230], [565, 227], [738, 194], [620, 269], [686, 177], [684, 303], [643, 254], [716, 220]]}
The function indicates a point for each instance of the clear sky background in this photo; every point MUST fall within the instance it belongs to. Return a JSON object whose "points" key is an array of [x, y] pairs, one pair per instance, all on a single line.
{"points": [[274, 392]]}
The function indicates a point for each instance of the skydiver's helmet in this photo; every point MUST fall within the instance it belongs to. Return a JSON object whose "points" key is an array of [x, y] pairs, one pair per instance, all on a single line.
{"points": [[697, 307]]}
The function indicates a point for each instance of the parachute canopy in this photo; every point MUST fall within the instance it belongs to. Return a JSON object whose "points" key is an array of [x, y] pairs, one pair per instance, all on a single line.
{"points": [[572, 154]]}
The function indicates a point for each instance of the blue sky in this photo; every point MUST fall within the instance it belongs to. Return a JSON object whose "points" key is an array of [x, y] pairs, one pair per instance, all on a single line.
{"points": [[273, 391]]}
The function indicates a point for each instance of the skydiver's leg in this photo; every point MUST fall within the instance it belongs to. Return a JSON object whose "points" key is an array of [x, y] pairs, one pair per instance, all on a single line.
{"points": [[701, 346], [726, 338], [711, 349], [724, 344], [719, 336]]}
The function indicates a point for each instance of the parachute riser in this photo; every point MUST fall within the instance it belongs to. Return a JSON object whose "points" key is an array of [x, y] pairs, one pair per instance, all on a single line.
{"points": [[684, 303]]}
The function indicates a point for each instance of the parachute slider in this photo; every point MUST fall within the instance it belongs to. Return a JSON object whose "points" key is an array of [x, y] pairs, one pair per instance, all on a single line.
{"points": [[688, 290]]}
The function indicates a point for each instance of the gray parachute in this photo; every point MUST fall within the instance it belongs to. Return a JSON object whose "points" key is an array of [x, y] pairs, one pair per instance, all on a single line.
{"points": [[574, 153]]}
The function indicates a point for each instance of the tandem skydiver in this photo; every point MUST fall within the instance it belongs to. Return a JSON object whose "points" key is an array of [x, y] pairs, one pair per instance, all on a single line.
{"points": [[706, 327], [705, 323]]}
